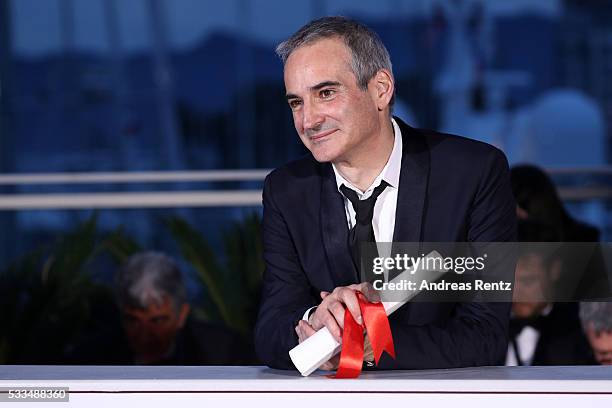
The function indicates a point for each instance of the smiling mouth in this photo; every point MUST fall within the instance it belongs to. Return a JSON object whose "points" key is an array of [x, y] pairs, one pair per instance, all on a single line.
{"points": [[320, 136]]}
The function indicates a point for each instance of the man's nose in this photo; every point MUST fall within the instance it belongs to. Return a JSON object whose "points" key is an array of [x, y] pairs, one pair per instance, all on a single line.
{"points": [[312, 117]]}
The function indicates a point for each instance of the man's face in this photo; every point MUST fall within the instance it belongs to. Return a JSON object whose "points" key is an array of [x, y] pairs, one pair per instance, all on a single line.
{"points": [[601, 343], [532, 291], [151, 332], [332, 115]]}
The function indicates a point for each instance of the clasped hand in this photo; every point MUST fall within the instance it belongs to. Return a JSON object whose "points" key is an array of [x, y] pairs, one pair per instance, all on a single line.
{"points": [[330, 314]]}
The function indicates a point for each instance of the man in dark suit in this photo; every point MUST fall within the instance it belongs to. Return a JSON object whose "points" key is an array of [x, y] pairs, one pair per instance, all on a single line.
{"points": [[156, 326], [542, 331], [371, 177]]}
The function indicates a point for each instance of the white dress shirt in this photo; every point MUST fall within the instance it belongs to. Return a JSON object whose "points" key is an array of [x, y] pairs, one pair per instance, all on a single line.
{"points": [[527, 342], [383, 220]]}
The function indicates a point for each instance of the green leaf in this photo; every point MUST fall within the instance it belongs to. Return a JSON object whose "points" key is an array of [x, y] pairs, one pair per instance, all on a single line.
{"points": [[197, 251]]}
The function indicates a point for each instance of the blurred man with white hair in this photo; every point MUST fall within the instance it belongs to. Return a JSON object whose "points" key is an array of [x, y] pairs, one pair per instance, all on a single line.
{"points": [[156, 317], [596, 320], [157, 327]]}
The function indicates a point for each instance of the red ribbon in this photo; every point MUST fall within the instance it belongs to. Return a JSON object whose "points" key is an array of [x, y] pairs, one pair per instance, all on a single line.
{"points": [[379, 332]]}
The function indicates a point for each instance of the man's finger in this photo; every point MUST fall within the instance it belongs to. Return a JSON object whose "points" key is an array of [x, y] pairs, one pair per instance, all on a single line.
{"points": [[307, 329], [324, 294], [349, 298], [298, 331], [369, 292], [332, 325], [337, 310], [332, 363], [323, 317]]}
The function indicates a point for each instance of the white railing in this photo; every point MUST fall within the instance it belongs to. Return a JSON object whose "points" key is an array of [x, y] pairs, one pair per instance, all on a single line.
{"points": [[168, 199], [140, 199], [133, 177], [193, 198]]}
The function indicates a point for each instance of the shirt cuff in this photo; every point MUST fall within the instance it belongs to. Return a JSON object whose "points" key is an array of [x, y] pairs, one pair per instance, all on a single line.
{"points": [[307, 313]]}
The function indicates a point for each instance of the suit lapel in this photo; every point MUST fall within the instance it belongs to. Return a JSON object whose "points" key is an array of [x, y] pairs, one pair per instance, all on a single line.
{"points": [[335, 230], [412, 185]]}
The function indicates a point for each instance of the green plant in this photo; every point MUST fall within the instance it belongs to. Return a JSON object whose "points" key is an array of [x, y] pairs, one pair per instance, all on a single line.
{"points": [[234, 284], [245, 264], [46, 297]]}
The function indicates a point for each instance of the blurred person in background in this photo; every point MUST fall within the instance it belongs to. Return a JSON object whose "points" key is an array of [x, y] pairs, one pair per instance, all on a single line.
{"points": [[153, 305], [583, 275], [542, 332], [537, 199], [596, 318], [157, 321], [158, 327]]}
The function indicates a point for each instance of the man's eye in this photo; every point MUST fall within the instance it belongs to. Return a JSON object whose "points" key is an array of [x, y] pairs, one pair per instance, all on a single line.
{"points": [[294, 104], [327, 93]]}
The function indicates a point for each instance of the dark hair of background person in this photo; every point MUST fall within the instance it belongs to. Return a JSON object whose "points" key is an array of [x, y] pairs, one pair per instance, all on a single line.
{"points": [[535, 193], [530, 230]]}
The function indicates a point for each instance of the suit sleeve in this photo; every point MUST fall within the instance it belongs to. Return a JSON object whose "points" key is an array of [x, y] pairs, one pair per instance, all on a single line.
{"points": [[286, 291], [475, 333]]}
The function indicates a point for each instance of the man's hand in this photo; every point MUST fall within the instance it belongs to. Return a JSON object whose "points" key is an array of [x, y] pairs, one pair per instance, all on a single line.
{"points": [[304, 331], [330, 313]]}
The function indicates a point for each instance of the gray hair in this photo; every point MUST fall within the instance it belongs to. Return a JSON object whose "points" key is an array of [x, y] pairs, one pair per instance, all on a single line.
{"points": [[147, 278], [369, 54], [597, 316]]}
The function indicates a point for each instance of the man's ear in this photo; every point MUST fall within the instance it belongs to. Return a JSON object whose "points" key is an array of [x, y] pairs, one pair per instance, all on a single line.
{"points": [[383, 87], [183, 313]]}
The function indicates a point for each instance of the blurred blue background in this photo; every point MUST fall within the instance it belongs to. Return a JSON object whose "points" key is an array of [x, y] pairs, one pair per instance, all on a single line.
{"points": [[194, 86]]}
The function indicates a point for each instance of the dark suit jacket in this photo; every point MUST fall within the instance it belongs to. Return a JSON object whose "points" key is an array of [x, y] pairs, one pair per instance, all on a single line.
{"points": [[451, 189], [589, 281], [197, 343], [562, 341]]}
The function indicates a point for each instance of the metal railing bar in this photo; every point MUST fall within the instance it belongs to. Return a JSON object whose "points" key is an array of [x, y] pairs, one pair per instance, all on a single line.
{"points": [[197, 176], [173, 199], [169, 199], [594, 170], [133, 177], [585, 193]]}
